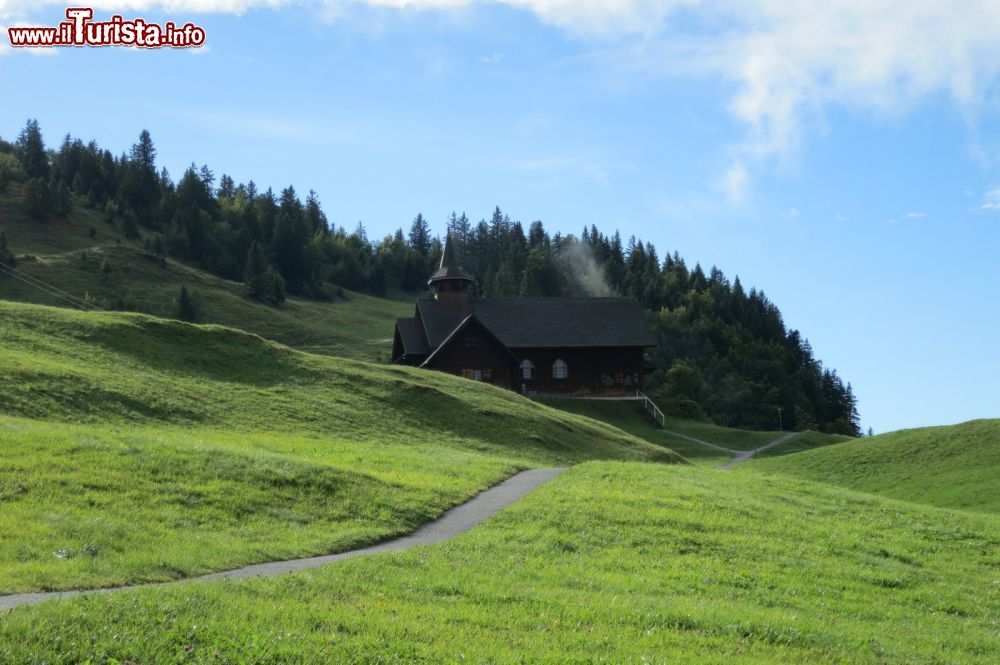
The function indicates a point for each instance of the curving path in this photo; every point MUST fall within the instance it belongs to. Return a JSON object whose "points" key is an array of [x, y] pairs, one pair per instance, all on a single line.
{"points": [[456, 521]]}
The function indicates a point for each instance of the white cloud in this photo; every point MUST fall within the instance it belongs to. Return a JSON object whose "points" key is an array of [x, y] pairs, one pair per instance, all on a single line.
{"points": [[787, 60], [991, 201], [195, 6]]}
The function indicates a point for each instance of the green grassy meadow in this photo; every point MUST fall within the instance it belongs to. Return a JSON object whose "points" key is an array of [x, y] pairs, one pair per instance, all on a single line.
{"points": [[628, 416], [140, 449], [611, 562], [804, 441], [63, 254], [954, 466]]}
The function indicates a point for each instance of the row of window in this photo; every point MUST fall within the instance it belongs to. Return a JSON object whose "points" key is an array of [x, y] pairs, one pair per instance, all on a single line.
{"points": [[478, 374], [619, 379], [560, 370]]}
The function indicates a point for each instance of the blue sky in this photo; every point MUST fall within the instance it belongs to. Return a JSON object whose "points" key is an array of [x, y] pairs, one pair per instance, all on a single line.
{"points": [[845, 158]]}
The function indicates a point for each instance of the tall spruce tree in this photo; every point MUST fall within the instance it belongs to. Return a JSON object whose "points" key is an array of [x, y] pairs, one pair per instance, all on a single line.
{"points": [[420, 236], [31, 151], [262, 281], [6, 256], [185, 307]]}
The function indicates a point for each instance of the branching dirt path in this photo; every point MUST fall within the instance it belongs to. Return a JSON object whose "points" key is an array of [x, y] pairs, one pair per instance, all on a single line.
{"points": [[456, 521], [703, 443], [739, 456], [744, 455]]}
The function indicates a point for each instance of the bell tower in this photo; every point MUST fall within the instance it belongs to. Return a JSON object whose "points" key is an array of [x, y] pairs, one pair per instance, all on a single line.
{"points": [[451, 283]]}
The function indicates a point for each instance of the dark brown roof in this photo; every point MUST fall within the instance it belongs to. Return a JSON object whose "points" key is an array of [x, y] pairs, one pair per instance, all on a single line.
{"points": [[438, 320], [468, 321], [544, 322], [411, 334]]}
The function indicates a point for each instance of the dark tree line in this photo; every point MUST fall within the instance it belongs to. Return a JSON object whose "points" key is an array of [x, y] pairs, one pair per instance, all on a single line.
{"points": [[723, 351]]}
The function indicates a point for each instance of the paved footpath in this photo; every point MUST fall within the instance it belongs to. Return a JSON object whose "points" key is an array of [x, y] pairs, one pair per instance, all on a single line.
{"points": [[456, 521]]}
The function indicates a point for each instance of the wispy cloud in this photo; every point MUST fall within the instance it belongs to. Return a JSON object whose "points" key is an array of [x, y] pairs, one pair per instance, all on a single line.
{"points": [[556, 170], [991, 201], [788, 61], [910, 216], [262, 124], [734, 183]]}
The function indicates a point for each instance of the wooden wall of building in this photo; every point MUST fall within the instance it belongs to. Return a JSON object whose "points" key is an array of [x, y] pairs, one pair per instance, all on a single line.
{"points": [[589, 371], [474, 350]]}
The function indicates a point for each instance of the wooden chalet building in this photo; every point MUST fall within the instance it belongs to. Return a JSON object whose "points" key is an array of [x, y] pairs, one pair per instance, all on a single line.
{"points": [[578, 346]]}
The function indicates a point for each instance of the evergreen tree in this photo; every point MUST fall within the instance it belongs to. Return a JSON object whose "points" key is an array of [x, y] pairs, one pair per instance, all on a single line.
{"points": [[733, 341], [361, 233], [288, 245], [63, 199], [6, 256], [541, 275], [254, 273], [140, 183], [420, 236], [227, 188], [185, 307], [315, 218], [262, 281], [130, 227], [37, 199], [31, 151]]}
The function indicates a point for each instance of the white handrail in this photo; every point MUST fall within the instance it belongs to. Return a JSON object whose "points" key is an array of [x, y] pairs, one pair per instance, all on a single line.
{"points": [[648, 403]]}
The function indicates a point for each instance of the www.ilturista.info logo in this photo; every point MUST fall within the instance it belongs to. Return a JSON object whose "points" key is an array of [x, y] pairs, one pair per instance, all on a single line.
{"points": [[81, 30]]}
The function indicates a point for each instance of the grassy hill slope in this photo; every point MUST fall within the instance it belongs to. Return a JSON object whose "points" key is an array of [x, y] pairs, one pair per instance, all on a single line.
{"points": [[135, 448], [628, 416], [954, 466], [62, 252], [610, 562]]}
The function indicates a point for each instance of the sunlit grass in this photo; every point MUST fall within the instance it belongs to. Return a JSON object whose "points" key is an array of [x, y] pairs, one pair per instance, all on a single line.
{"points": [[141, 449], [65, 255], [954, 466], [610, 562]]}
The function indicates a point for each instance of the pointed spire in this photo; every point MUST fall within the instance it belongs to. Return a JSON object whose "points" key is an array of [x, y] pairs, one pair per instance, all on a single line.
{"points": [[450, 272], [448, 259]]}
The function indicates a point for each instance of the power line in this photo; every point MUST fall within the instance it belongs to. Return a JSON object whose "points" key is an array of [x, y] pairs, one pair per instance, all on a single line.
{"points": [[47, 288], [56, 292]]}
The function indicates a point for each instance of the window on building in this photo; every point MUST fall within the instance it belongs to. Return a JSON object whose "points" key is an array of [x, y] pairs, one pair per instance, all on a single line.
{"points": [[527, 369], [467, 374], [477, 374], [487, 375], [560, 370], [469, 341]]}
